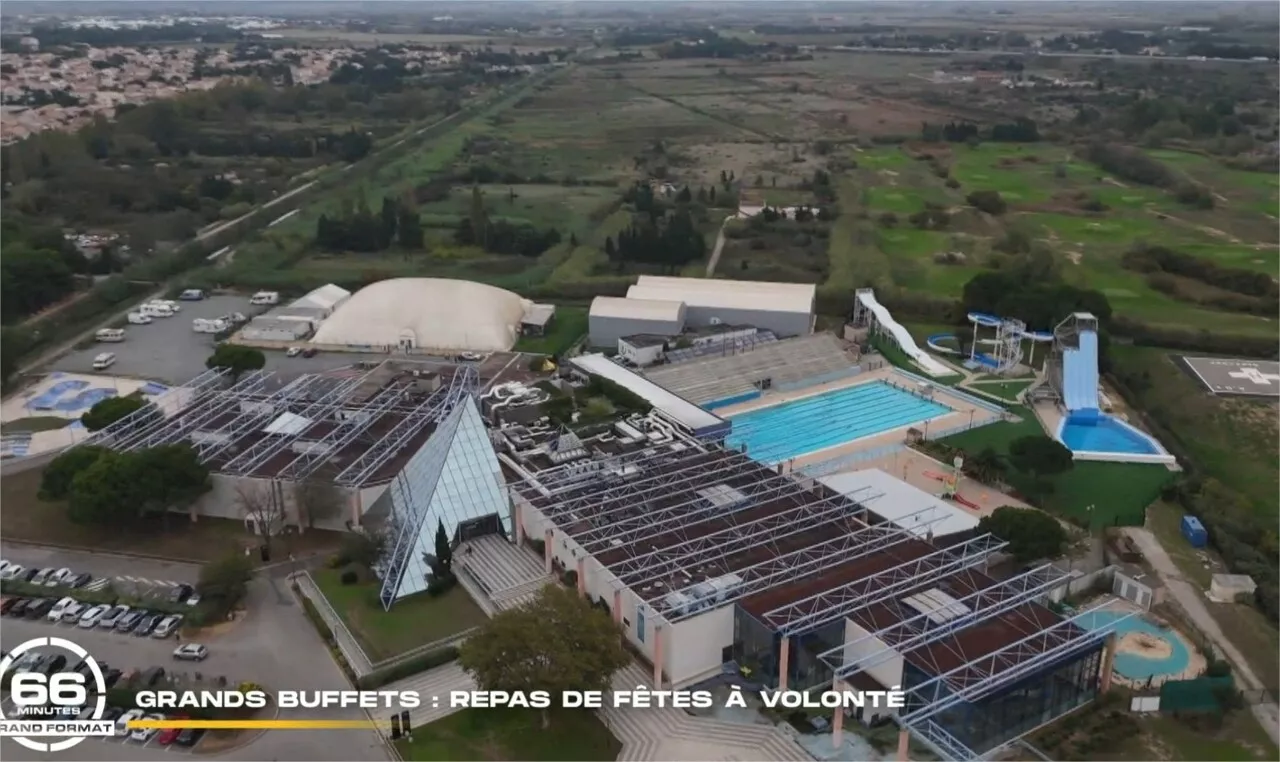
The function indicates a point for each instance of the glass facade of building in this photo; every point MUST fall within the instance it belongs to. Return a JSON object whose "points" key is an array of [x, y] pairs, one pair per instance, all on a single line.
{"points": [[1050, 692], [759, 649], [453, 480]]}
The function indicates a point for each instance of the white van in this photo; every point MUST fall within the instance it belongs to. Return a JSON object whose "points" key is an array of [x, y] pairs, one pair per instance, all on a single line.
{"points": [[151, 309], [109, 334], [171, 304], [137, 318], [215, 325], [265, 298], [191, 295], [104, 361]]}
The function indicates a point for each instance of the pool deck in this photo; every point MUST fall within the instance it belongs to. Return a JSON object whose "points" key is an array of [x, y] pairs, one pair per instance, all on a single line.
{"points": [[15, 407]]}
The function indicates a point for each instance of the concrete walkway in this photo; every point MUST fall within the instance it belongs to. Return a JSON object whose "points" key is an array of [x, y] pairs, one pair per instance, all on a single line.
{"points": [[351, 650], [673, 735], [434, 684], [1188, 597]]}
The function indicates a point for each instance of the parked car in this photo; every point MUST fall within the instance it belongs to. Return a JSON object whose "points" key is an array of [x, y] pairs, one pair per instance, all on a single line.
{"points": [[167, 626], [111, 676], [169, 735], [11, 571], [28, 661], [80, 580], [147, 625], [112, 713], [91, 617], [59, 577], [7, 604], [82, 667], [310, 352], [40, 576], [60, 608], [129, 621], [293, 352], [142, 735], [20, 607], [189, 737], [191, 652], [4, 566], [151, 677], [122, 722], [181, 593], [26, 575], [74, 612], [54, 663], [40, 609], [112, 617]]}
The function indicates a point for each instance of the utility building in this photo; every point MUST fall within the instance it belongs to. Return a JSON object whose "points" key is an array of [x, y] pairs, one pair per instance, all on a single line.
{"points": [[613, 318], [787, 309]]}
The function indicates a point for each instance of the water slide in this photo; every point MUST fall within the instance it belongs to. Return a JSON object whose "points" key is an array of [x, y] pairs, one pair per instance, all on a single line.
{"points": [[1080, 378], [934, 342], [903, 337]]}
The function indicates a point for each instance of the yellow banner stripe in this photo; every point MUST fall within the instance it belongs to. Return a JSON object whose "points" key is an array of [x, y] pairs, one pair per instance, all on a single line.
{"points": [[253, 724]]}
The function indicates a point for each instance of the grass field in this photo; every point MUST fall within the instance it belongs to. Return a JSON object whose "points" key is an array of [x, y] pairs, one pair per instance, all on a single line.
{"points": [[1005, 390], [412, 622], [502, 735], [569, 325], [36, 423]]}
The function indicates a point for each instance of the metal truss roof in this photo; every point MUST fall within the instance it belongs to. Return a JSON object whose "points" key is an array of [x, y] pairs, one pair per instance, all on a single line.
{"points": [[816, 610], [173, 430], [774, 571], [355, 422], [254, 413], [913, 630], [432, 410], [209, 380]]}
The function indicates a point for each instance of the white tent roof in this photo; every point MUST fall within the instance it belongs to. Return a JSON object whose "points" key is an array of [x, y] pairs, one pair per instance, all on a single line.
{"points": [[637, 309], [898, 501], [325, 297]]}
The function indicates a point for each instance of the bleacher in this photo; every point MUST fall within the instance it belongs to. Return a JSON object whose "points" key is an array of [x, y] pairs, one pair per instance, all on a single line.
{"points": [[785, 364]]}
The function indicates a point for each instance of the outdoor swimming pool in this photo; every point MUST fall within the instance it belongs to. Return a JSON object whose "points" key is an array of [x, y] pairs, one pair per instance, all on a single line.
{"points": [[1141, 668], [1105, 434], [825, 420]]}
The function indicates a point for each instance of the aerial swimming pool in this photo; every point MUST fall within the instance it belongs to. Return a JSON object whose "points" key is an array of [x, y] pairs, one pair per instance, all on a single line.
{"points": [[802, 426]]}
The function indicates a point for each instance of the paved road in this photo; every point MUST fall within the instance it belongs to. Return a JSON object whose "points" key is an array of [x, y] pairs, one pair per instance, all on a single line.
{"points": [[1189, 597], [274, 645]]}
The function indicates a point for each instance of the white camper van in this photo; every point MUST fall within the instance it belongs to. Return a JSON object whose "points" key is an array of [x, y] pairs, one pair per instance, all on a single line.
{"points": [[215, 325], [265, 298], [104, 361], [155, 310], [137, 318], [109, 334]]}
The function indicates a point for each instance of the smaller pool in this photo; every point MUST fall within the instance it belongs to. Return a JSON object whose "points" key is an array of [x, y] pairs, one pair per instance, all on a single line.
{"points": [[1105, 434], [1132, 666]]}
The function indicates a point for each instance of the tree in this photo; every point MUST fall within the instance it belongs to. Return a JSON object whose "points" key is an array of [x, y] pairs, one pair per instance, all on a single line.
{"points": [[479, 218], [261, 505], [236, 359], [110, 410], [318, 499], [1031, 534], [988, 201], [119, 488], [443, 566], [556, 642], [223, 583], [362, 549], [1040, 456], [55, 482]]}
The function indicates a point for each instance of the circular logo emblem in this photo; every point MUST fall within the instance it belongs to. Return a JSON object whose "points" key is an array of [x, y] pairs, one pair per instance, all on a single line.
{"points": [[61, 695]]}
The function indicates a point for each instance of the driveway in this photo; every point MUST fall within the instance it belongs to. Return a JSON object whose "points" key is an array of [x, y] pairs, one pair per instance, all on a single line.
{"points": [[274, 645], [1188, 596]]}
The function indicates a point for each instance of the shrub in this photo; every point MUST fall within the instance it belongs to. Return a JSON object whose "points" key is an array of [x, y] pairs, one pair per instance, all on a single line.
{"points": [[410, 666], [441, 584], [887, 220], [952, 183], [988, 201], [349, 577], [570, 578]]}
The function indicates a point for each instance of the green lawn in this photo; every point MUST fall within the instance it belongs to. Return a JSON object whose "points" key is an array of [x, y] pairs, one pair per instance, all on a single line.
{"points": [[511, 734], [569, 325], [412, 622], [1241, 739], [567, 209], [1005, 390]]}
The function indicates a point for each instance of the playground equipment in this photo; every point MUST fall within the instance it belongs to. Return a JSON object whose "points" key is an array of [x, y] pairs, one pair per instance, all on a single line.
{"points": [[951, 483], [868, 312], [1007, 344]]}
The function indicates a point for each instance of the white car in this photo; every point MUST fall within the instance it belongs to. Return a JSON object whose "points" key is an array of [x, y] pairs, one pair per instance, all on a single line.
{"points": [[293, 352], [91, 617], [40, 576], [74, 612], [167, 626], [112, 616], [4, 566], [60, 577], [122, 724], [60, 608], [191, 652], [145, 734], [11, 571]]}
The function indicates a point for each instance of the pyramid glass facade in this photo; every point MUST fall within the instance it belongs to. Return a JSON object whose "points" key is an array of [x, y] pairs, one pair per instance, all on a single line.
{"points": [[455, 480]]}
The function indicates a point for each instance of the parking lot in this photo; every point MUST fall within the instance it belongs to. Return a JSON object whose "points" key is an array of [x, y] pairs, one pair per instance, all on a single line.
{"points": [[273, 644]]}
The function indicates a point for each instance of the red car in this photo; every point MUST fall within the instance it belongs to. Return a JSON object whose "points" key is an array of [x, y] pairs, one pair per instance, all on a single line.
{"points": [[169, 735]]}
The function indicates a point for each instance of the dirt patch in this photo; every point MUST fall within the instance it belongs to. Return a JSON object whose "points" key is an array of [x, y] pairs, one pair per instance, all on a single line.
{"points": [[1113, 181], [1216, 233]]}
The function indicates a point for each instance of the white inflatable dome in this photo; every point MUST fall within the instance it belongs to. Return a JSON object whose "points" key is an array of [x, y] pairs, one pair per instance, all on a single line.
{"points": [[429, 313]]}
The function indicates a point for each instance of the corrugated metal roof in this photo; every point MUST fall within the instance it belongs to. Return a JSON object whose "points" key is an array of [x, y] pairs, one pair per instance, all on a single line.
{"points": [[898, 500], [727, 294], [637, 309], [675, 407]]}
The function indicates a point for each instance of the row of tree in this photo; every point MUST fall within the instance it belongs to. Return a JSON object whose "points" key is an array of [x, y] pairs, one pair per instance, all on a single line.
{"points": [[118, 489], [668, 239], [501, 236], [1134, 165], [1020, 130], [359, 229]]}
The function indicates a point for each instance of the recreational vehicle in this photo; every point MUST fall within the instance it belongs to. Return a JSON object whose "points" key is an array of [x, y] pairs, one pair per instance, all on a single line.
{"points": [[104, 361], [265, 298], [109, 334], [191, 295], [215, 325], [137, 318], [152, 309]]}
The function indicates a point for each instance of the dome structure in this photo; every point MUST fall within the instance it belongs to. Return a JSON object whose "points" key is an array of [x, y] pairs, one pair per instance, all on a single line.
{"points": [[427, 313]]}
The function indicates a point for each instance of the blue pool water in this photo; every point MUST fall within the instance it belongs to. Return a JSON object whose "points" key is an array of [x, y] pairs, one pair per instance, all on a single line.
{"points": [[1132, 666], [1105, 434], [826, 420]]}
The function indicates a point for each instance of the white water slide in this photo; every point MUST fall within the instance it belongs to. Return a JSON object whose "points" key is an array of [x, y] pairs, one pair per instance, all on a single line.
{"points": [[908, 345]]}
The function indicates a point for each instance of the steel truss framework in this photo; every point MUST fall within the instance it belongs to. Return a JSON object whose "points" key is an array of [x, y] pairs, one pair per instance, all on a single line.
{"points": [[823, 607], [168, 431], [355, 423], [734, 539], [914, 630], [201, 384], [252, 415], [987, 674], [432, 410], [760, 577], [204, 395]]}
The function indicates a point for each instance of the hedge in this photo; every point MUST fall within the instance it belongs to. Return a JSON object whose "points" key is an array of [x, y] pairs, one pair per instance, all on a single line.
{"points": [[408, 667]]}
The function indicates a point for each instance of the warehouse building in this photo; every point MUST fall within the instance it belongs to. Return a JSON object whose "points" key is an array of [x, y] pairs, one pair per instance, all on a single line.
{"points": [[787, 309], [712, 562], [297, 319], [612, 318]]}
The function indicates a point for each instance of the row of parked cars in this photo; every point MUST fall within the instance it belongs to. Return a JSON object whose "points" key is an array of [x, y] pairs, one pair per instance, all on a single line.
{"points": [[120, 618], [44, 577]]}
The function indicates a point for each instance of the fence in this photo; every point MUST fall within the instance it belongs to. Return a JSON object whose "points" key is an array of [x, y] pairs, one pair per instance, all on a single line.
{"points": [[843, 462], [1083, 583], [955, 392]]}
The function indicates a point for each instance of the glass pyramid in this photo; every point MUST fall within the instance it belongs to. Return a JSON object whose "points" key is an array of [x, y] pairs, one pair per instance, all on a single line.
{"points": [[455, 480]]}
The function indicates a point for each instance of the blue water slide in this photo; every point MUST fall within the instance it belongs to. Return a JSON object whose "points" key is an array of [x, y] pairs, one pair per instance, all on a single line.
{"points": [[1080, 378]]}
